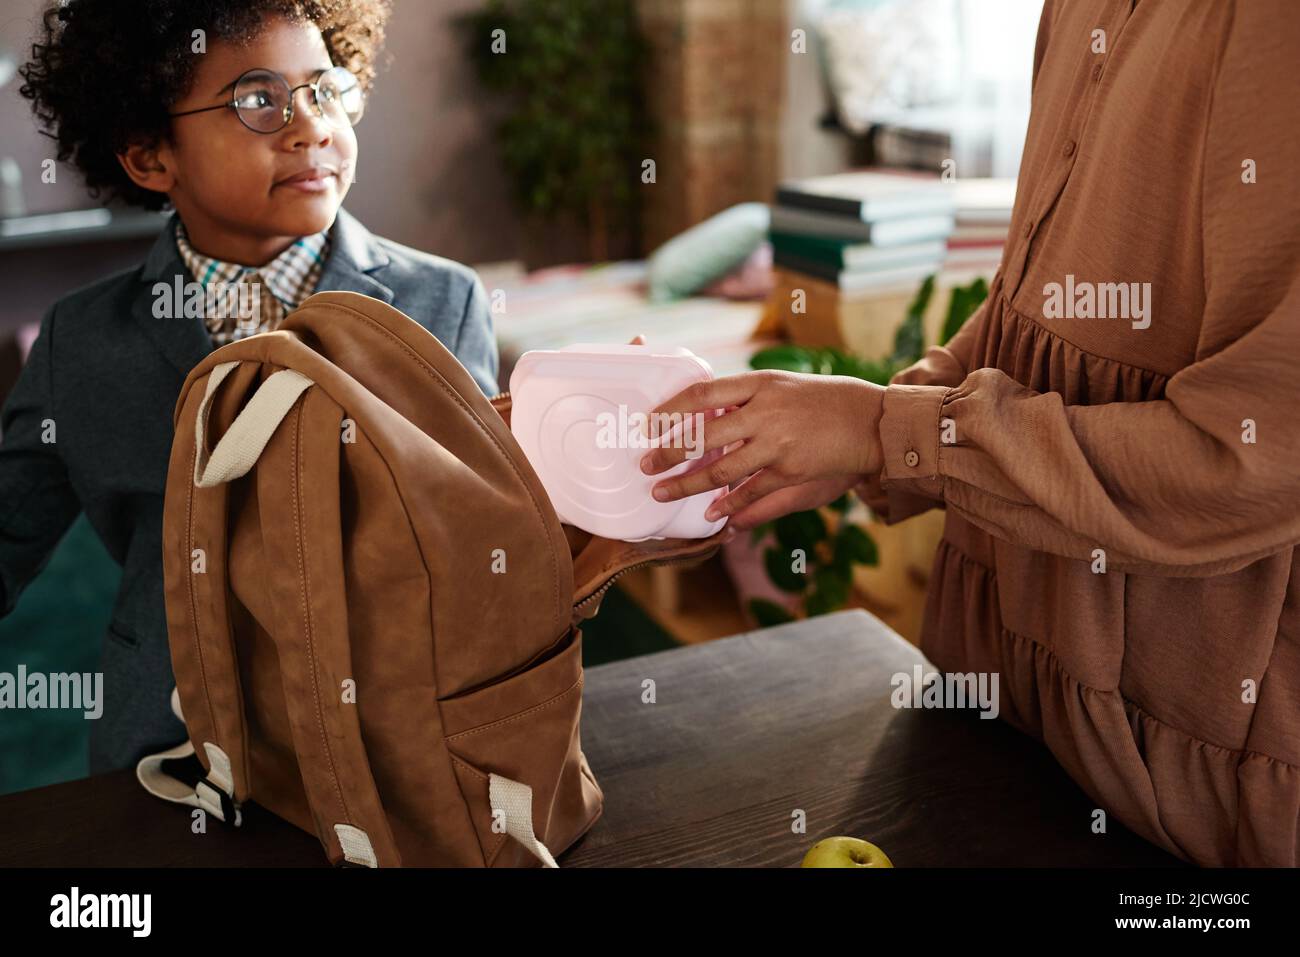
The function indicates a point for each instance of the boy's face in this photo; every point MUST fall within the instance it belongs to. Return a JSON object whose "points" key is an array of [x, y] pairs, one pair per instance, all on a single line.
{"points": [[242, 194]]}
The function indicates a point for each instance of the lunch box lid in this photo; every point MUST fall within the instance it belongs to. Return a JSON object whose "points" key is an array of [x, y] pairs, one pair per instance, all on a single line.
{"points": [[580, 415]]}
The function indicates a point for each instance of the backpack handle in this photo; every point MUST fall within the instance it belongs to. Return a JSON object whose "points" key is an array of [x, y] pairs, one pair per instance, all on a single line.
{"points": [[239, 449]]}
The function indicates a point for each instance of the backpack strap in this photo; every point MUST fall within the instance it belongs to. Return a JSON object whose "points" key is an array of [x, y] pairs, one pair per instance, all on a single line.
{"points": [[514, 800], [298, 492], [243, 442], [194, 533], [215, 799]]}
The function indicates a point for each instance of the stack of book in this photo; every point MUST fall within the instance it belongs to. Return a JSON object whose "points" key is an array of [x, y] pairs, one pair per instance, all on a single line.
{"points": [[851, 250], [863, 231], [983, 216]]}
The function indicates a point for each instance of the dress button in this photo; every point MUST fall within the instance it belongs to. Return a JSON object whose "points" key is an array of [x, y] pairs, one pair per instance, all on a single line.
{"points": [[911, 459], [1068, 148], [1096, 72]]}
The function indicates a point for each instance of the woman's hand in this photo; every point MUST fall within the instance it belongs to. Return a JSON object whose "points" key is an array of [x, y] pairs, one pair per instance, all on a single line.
{"points": [[792, 498], [803, 440]]}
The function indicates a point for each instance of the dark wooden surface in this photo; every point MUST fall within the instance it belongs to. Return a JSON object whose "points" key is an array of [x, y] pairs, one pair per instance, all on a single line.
{"points": [[744, 732]]}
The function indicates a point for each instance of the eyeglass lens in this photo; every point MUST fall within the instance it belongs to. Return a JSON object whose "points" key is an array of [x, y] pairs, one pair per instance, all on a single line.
{"points": [[262, 99]]}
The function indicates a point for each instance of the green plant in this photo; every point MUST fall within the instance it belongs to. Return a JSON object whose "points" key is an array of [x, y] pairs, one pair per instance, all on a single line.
{"points": [[812, 560], [576, 129], [827, 578], [965, 300]]}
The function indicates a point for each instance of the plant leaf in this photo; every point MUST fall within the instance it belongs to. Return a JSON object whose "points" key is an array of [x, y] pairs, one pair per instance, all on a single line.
{"points": [[800, 530], [965, 300], [788, 358], [830, 592], [877, 372], [854, 546], [834, 583], [768, 613], [777, 562], [909, 340], [817, 604]]}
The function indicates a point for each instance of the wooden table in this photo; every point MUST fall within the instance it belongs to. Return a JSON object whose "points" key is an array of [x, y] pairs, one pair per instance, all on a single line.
{"points": [[745, 733]]}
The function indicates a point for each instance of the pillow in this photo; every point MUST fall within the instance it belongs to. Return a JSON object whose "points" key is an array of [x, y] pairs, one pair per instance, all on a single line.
{"points": [[707, 251], [752, 279]]}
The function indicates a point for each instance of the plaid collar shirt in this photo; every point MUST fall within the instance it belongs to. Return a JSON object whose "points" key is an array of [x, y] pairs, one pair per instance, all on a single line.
{"points": [[289, 278]]}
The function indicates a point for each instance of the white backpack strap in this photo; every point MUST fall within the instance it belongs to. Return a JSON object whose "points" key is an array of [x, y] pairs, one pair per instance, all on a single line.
{"points": [[215, 794], [356, 845], [515, 800], [239, 449]]}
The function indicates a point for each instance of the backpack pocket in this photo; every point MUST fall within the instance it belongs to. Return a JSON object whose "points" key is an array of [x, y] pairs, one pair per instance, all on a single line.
{"points": [[525, 727]]}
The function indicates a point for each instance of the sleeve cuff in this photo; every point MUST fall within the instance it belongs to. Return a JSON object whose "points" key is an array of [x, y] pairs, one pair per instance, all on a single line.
{"points": [[910, 427]]}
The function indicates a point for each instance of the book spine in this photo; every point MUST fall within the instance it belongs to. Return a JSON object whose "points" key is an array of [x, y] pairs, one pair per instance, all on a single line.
{"points": [[805, 265], [829, 254], [836, 205]]}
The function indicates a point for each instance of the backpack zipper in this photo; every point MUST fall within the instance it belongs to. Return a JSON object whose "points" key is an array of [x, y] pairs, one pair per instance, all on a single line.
{"points": [[609, 582]]}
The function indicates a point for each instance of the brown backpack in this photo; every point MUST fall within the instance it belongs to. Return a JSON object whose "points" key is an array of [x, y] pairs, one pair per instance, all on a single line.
{"points": [[372, 607]]}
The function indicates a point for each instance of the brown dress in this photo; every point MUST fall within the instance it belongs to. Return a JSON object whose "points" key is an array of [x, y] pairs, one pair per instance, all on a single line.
{"points": [[1165, 445]]}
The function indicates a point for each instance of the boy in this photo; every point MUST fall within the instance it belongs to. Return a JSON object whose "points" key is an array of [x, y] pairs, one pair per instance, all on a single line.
{"points": [[251, 142]]}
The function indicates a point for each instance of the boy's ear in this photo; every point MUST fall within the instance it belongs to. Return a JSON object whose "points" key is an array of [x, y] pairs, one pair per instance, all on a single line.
{"points": [[148, 166]]}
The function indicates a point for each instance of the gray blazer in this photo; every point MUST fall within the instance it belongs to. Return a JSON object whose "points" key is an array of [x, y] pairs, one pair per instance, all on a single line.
{"points": [[107, 374]]}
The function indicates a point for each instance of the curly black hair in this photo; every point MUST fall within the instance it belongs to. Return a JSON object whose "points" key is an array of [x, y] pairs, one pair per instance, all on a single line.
{"points": [[104, 73]]}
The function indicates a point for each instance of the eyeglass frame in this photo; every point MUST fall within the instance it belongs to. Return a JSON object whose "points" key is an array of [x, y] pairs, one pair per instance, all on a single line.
{"points": [[290, 108]]}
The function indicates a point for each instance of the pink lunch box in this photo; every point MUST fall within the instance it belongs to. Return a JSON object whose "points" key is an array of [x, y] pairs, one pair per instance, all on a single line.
{"points": [[579, 414]]}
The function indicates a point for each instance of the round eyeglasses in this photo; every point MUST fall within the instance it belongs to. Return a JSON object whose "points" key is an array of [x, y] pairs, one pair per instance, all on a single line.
{"points": [[263, 99]]}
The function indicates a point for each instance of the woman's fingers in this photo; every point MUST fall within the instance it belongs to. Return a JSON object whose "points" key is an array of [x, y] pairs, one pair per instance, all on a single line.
{"points": [[792, 498], [725, 470], [766, 509], [715, 393], [692, 437], [763, 485]]}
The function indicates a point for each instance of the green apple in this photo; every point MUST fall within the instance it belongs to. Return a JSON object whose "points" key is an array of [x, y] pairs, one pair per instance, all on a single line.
{"points": [[846, 852]]}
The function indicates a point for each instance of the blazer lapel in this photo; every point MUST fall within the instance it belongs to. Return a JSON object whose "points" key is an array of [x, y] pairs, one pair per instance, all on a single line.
{"points": [[354, 257], [184, 341]]}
